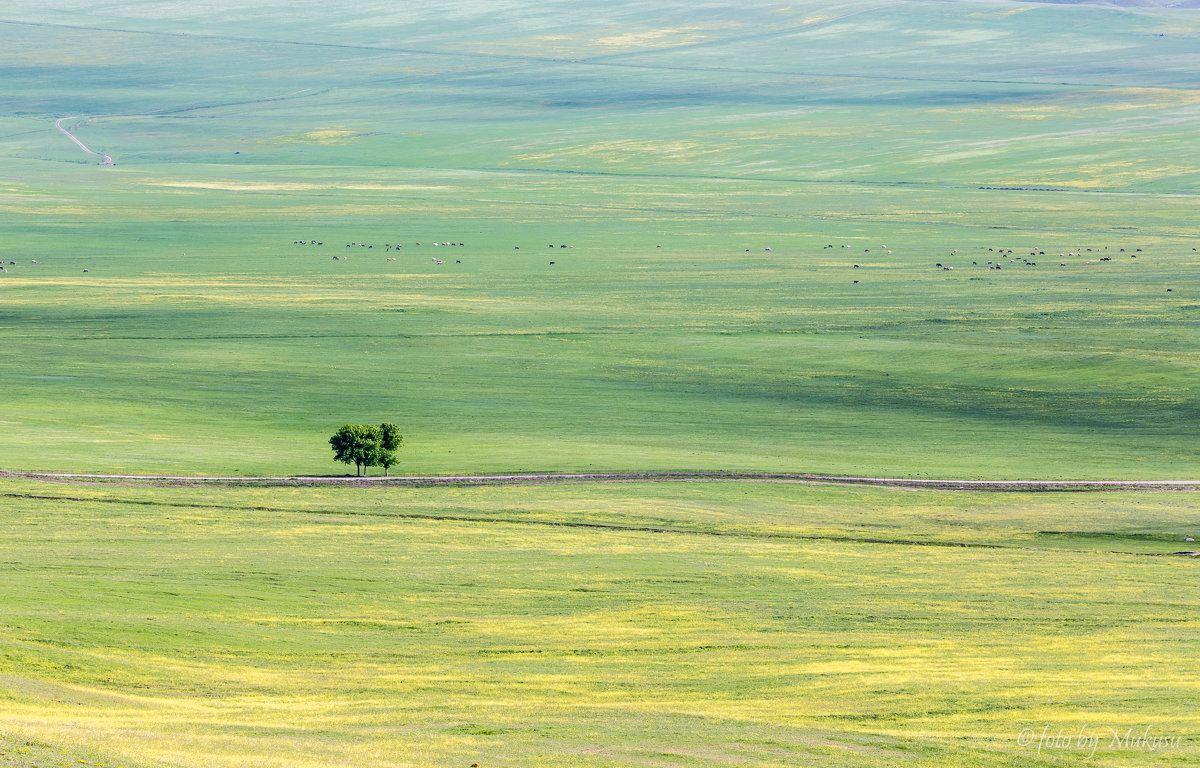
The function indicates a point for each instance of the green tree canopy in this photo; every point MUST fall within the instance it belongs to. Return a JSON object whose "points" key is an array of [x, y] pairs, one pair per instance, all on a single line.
{"points": [[366, 445], [389, 436]]}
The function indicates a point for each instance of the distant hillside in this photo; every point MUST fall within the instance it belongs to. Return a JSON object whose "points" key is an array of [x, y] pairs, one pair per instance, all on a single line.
{"points": [[1125, 3]]}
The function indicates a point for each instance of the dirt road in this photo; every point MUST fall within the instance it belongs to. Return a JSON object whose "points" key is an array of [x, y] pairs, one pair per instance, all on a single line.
{"points": [[621, 477], [104, 159]]}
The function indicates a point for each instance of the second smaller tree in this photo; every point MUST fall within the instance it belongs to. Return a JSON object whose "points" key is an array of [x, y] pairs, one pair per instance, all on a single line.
{"points": [[390, 440]]}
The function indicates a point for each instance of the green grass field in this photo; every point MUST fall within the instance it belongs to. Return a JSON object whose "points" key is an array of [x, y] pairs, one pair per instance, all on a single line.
{"points": [[716, 135], [760, 624], [759, 202]]}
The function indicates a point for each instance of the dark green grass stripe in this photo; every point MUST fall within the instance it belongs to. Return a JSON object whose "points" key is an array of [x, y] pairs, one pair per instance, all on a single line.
{"points": [[598, 61], [615, 527]]}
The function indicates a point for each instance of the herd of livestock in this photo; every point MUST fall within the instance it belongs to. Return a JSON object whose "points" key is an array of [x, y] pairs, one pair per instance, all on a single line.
{"points": [[1001, 257]]}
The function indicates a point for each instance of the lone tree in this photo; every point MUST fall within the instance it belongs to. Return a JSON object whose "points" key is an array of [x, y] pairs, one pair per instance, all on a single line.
{"points": [[365, 445]]}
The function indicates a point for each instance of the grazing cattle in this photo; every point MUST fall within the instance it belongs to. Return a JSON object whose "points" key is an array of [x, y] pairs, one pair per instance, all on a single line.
{"points": [[856, 282], [766, 249], [856, 266], [552, 263], [85, 270], [458, 261], [516, 247]]}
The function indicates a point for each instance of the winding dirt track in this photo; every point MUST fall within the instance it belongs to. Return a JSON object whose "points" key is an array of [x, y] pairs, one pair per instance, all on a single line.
{"points": [[104, 159], [620, 477]]}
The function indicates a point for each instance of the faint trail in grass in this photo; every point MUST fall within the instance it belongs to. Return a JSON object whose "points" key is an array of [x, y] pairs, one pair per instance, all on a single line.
{"points": [[22, 133], [598, 61], [859, 76], [107, 160], [300, 43], [846, 217], [831, 182], [301, 93], [605, 331], [576, 524]]}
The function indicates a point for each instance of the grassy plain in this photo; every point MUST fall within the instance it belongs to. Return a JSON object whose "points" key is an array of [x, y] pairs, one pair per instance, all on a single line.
{"points": [[759, 624], [715, 134]]}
